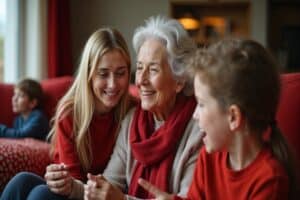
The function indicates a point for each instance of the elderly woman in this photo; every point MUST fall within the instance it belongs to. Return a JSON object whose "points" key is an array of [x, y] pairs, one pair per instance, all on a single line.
{"points": [[159, 141]]}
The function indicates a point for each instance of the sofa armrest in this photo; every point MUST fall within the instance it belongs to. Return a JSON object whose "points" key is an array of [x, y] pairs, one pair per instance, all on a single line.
{"points": [[18, 155], [6, 93], [288, 114]]}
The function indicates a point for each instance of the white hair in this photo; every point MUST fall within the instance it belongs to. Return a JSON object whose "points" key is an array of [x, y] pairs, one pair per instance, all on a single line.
{"points": [[178, 44]]}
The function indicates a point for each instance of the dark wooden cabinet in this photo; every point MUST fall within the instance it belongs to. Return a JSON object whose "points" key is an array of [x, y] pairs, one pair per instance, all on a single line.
{"points": [[284, 32], [217, 18]]}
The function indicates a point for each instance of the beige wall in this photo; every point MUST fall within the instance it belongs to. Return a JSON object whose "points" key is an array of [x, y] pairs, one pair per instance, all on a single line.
{"points": [[259, 26], [124, 15]]}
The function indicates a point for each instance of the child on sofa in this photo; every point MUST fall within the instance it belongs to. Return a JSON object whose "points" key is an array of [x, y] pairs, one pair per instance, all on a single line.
{"points": [[31, 121], [237, 88]]}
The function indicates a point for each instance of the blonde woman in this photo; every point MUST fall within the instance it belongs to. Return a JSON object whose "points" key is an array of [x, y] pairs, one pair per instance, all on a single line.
{"points": [[85, 124]]}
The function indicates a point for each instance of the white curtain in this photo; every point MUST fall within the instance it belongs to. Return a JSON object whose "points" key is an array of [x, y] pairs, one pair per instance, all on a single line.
{"points": [[25, 53]]}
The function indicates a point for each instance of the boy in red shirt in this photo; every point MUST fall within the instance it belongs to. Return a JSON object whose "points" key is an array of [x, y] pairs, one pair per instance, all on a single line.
{"points": [[237, 88]]}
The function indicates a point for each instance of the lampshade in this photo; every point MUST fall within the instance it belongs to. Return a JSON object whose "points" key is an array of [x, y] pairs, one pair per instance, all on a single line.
{"points": [[189, 23]]}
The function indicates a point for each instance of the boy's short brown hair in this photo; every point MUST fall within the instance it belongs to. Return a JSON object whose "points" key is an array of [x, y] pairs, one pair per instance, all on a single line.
{"points": [[33, 89]]}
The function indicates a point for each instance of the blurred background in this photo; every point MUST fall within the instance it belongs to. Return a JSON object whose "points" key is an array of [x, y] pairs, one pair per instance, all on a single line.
{"points": [[44, 38]]}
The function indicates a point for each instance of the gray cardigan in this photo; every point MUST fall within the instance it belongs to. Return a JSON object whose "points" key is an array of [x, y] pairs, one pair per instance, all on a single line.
{"points": [[122, 163]]}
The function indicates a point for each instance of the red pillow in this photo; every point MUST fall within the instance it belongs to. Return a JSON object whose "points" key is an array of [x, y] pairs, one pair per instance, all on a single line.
{"points": [[17, 155]]}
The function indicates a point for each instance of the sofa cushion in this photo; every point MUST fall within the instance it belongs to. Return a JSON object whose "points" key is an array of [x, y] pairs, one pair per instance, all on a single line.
{"points": [[22, 155], [288, 115], [54, 89], [6, 92]]}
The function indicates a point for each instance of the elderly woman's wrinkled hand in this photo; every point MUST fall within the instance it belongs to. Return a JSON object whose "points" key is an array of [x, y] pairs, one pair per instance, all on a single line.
{"points": [[98, 188]]}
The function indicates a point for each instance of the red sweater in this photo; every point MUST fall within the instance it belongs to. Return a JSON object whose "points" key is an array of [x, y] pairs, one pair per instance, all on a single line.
{"points": [[102, 131], [263, 179]]}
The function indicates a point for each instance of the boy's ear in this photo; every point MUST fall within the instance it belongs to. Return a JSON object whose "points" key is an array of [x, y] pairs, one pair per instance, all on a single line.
{"points": [[33, 103], [235, 117]]}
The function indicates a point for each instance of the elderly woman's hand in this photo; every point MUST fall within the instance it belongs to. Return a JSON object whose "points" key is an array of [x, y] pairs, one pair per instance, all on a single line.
{"points": [[98, 188], [58, 179], [157, 193]]}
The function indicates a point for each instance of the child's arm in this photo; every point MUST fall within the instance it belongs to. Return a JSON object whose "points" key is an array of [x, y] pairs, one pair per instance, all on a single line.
{"points": [[3, 129], [10, 132], [36, 126], [156, 192]]}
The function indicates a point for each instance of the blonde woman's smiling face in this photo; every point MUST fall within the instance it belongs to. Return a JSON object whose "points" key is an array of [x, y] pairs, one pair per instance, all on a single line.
{"points": [[110, 80]]}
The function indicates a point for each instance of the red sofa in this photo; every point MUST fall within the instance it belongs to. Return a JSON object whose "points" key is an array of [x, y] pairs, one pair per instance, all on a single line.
{"points": [[288, 117], [27, 154]]}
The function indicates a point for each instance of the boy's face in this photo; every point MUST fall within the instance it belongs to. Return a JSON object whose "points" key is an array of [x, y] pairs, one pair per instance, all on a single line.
{"points": [[21, 102], [212, 121]]}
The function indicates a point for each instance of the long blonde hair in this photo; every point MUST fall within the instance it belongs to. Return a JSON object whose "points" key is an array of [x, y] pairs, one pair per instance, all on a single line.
{"points": [[79, 99]]}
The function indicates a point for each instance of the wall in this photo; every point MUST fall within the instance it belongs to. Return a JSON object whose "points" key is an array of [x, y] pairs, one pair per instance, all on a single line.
{"points": [[259, 21], [87, 16], [126, 15]]}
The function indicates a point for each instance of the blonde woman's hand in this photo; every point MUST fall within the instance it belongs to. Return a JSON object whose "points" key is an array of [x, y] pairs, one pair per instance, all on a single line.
{"points": [[157, 193], [58, 179], [98, 188]]}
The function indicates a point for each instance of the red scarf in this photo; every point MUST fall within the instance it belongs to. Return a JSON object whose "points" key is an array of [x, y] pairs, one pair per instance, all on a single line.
{"points": [[155, 150]]}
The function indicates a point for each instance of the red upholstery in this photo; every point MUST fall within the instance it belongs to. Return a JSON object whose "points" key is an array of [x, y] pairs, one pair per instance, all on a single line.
{"points": [[22, 155], [54, 89], [288, 115], [6, 92], [28, 154]]}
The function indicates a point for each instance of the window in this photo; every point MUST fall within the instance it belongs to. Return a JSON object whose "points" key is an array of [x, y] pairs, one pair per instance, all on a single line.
{"points": [[2, 35]]}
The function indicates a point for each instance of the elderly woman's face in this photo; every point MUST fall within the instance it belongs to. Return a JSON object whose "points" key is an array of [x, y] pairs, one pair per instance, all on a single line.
{"points": [[154, 78]]}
